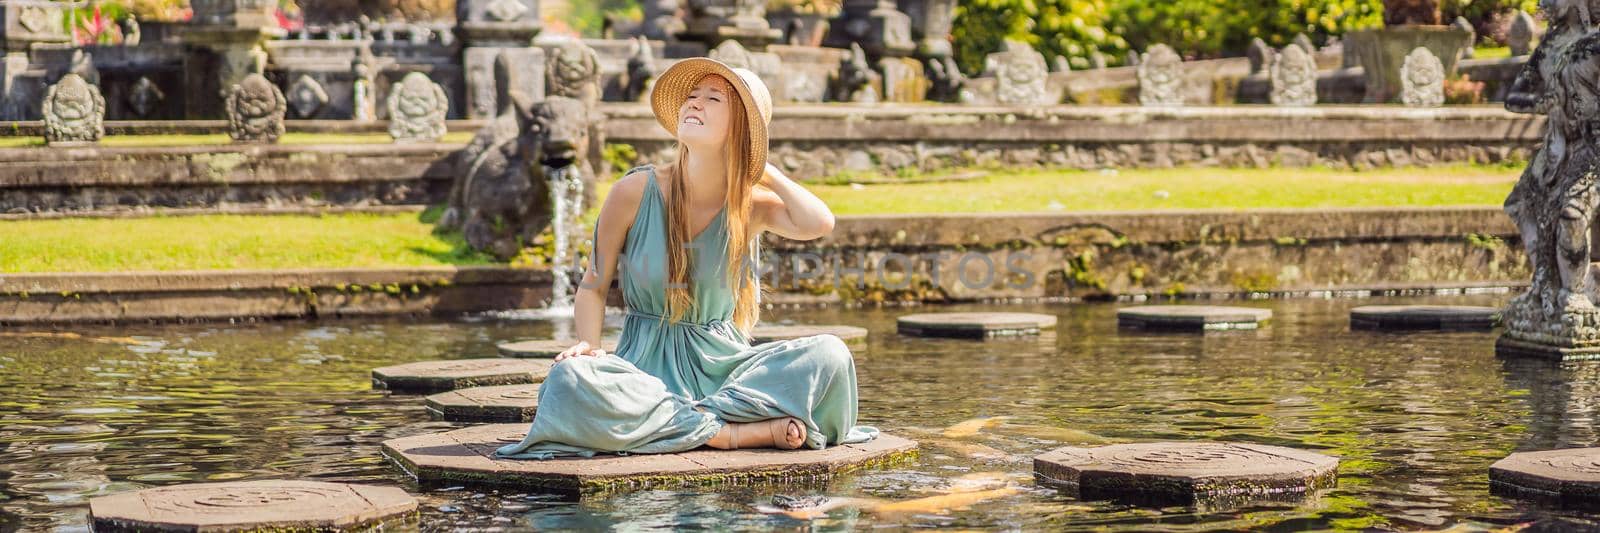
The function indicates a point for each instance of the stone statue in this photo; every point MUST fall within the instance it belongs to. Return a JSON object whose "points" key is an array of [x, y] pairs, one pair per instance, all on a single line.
{"points": [[1294, 78], [1160, 77], [144, 96], [417, 107], [501, 198], [1019, 73], [1422, 79], [1520, 36], [573, 70], [946, 79], [73, 110], [854, 83], [1303, 41], [1259, 54], [641, 74], [663, 21], [362, 90], [255, 110], [1569, 20], [1554, 205], [1465, 25], [131, 35]]}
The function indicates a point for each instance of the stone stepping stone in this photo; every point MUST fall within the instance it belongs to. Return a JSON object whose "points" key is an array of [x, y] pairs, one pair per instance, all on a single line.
{"points": [[851, 335], [545, 349], [439, 376], [1569, 476], [1418, 317], [1192, 317], [503, 403], [277, 505], [467, 456], [974, 325], [1185, 472]]}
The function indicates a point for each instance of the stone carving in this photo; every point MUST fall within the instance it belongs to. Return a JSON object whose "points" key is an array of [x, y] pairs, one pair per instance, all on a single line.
{"points": [[573, 70], [732, 53], [255, 110], [1259, 55], [946, 78], [1294, 78], [641, 74], [1160, 77], [501, 198], [854, 82], [306, 96], [1520, 36], [417, 107], [73, 110], [1554, 201], [506, 10], [1019, 73], [661, 20], [144, 96], [362, 90], [1304, 42], [1463, 24], [1422, 79], [131, 34]]}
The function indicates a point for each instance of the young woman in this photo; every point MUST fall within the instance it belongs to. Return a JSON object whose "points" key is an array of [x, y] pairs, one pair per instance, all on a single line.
{"points": [[683, 240]]}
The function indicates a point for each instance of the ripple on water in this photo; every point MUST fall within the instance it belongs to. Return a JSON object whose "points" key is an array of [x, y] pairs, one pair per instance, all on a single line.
{"points": [[1417, 419]]}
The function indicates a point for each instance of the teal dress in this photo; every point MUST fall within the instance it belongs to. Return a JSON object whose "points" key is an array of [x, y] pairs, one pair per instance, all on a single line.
{"points": [[671, 386]]}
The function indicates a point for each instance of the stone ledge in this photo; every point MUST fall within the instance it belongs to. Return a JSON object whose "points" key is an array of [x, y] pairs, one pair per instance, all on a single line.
{"points": [[466, 456]]}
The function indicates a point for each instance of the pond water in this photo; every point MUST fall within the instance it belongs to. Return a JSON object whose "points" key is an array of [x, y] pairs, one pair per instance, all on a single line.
{"points": [[1417, 419]]}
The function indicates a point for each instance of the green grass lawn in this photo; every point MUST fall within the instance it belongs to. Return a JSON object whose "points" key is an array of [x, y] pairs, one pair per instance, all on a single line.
{"points": [[1184, 188], [225, 242]]}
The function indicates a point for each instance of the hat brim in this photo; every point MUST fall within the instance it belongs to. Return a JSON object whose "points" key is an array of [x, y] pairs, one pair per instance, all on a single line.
{"points": [[672, 89]]}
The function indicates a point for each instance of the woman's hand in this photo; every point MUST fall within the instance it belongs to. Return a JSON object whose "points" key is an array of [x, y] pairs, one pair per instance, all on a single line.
{"points": [[581, 348]]}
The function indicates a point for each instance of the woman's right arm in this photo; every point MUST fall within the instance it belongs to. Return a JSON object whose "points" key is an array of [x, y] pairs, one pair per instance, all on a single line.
{"points": [[616, 216]]}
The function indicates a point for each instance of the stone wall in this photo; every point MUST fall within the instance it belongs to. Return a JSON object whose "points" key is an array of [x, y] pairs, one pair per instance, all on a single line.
{"points": [[812, 142], [101, 179], [1106, 255]]}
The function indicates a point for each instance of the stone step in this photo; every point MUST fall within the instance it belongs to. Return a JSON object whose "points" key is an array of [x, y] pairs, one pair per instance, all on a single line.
{"points": [[273, 505], [1186, 472], [467, 456], [503, 403], [974, 325], [440, 376], [1570, 476], [1424, 317], [1192, 317]]}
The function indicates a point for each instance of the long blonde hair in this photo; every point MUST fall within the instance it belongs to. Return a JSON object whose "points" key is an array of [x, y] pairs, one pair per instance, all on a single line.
{"points": [[740, 271]]}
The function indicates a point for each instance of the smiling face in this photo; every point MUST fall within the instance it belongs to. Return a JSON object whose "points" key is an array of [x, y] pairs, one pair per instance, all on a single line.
{"points": [[704, 116]]}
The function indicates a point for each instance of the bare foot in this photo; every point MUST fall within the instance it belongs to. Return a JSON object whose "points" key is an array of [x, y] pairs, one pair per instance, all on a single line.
{"points": [[782, 433]]}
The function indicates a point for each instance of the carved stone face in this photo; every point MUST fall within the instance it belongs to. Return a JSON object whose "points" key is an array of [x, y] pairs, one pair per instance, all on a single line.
{"points": [[417, 98], [256, 98], [560, 126], [1423, 77], [72, 101]]}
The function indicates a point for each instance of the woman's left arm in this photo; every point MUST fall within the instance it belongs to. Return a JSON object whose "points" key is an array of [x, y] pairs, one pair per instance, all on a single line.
{"points": [[789, 210]]}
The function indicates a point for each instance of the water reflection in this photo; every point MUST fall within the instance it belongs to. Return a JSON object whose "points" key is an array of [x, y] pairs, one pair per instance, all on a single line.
{"points": [[1417, 419]]}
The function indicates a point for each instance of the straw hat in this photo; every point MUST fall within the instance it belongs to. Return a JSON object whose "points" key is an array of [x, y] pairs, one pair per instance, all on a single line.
{"points": [[673, 86]]}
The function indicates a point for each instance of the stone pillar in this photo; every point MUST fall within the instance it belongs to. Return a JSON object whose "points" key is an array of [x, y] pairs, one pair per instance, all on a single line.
{"points": [[930, 26], [487, 29], [225, 37], [876, 25], [744, 21]]}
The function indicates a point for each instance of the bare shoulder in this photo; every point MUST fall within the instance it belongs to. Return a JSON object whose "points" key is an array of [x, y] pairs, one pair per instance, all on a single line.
{"points": [[622, 201]]}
